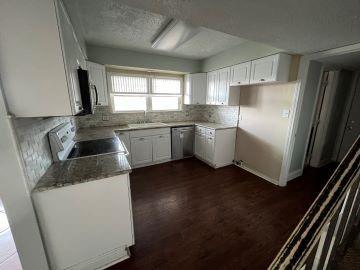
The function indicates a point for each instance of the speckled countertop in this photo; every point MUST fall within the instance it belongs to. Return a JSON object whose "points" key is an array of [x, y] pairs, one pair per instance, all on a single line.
{"points": [[94, 133], [82, 170], [76, 171]]}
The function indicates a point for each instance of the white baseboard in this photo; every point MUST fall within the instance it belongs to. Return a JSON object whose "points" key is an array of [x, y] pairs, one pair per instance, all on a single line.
{"points": [[102, 261], [263, 176], [294, 174]]}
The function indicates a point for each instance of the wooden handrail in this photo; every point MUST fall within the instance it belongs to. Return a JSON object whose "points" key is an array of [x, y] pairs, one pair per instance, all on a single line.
{"points": [[312, 241]]}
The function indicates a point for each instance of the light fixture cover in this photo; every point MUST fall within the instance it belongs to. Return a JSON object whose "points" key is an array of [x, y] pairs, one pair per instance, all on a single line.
{"points": [[173, 35]]}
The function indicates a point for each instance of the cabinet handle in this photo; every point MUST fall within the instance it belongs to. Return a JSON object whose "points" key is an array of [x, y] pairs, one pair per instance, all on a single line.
{"points": [[141, 139], [239, 82], [262, 80], [161, 136]]}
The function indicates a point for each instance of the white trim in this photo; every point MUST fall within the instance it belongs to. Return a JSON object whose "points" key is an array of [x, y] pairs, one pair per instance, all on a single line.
{"points": [[263, 176], [102, 261], [295, 174], [302, 77], [290, 137]]}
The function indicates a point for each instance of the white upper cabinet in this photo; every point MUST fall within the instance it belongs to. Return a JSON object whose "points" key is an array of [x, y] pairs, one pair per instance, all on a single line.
{"points": [[97, 78], [212, 85], [240, 74], [273, 68], [219, 91], [223, 87], [32, 65], [195, 89], [39, 67], [73, 57]]}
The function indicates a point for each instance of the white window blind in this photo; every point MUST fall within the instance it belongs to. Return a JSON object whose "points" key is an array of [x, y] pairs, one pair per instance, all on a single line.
{"points": [[122, 83], [144, 92], [166, 85]]}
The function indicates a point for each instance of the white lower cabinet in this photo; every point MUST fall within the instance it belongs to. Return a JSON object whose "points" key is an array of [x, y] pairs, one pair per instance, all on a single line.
{"points": [[141, 150], [209, 149], [99, 214], [148, 146], [161, 147], [215, 147], [199, 144]]}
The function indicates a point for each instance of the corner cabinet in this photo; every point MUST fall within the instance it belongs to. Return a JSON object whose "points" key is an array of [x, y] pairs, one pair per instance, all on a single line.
{"points": [[195, 89], [273, 68], [39, 67], [97, 76], [215, 147], [219, 91]]}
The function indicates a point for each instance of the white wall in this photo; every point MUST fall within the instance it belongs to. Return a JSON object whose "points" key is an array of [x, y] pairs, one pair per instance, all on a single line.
{"points": [[242, 53], [16, 199], [127, 58]]}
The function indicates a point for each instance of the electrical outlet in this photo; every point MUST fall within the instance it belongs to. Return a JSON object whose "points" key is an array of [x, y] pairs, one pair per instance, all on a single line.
{"points": [[105, 117]]}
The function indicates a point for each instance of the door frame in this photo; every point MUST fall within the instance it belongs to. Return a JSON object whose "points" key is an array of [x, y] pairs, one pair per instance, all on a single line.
{"points": [[300, 87]]}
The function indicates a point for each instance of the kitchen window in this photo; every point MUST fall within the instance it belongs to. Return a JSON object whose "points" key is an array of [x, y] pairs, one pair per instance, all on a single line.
{"points": [[135, 92]]}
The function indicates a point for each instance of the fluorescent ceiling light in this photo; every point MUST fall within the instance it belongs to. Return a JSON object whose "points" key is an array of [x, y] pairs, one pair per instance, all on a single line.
{"points": [[173, 35]]}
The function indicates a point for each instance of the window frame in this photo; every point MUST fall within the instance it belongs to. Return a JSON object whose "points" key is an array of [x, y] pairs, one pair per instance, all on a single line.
{"points": [[149, 94]]}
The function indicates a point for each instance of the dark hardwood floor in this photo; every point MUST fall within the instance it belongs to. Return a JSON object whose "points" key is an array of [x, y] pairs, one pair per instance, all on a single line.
{"points": [[190, 216]]}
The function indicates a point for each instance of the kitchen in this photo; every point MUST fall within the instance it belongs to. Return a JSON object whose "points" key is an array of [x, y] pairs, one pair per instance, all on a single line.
{"points": [[97, 114]]}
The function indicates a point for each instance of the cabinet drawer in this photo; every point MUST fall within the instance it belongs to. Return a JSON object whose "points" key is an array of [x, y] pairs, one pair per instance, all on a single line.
{"points": [[149, 132], [200, 130], [210, 132]]}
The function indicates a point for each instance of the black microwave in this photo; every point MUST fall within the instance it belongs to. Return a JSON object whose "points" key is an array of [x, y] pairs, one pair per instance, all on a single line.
{"points": [[88, 91]]}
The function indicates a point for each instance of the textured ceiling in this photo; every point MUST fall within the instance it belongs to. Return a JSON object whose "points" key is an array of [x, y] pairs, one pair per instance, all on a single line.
{"points": [[348, 61], [300, 26], [110, 23]]}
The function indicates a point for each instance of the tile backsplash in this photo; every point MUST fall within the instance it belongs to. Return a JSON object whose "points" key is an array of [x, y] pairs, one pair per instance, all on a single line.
{"points": [[34, 144], [217, 114]]}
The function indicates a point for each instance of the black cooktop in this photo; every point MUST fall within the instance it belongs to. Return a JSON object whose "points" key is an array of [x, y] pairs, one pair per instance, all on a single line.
{"points": [[96, 147]]}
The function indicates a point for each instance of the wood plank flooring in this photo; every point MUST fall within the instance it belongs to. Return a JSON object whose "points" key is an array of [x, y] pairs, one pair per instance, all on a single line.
{"points": [[190, 216]]}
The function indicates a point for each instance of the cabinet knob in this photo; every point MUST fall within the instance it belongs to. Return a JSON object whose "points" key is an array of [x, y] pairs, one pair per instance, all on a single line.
{"points": [[239, 82], [262, 80], [141, 139]]}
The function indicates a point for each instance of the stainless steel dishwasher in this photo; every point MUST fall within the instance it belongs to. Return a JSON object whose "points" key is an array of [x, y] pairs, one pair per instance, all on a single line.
{"points": [[182, 142]]}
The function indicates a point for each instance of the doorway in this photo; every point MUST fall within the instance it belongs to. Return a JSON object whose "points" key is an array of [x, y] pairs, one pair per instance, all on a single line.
{"points": [[335, 123], [9, 259]]}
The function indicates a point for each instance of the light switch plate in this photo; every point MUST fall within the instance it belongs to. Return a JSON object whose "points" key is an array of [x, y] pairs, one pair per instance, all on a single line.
{"points": [[285, 113]]}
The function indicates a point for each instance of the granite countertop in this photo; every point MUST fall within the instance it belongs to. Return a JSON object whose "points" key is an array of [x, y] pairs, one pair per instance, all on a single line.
{"points": [[82, 170], [94, 133]]}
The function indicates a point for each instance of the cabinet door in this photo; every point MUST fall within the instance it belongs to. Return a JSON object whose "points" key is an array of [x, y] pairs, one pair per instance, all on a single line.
{"points": [[240, 74], [209, 149], [199, 144], [223, 87], [187, 90], [73, 58], [97, 76], [125, 138], [198, 88], [212, 81], [161, 147], [264, 69], [141, 150]]}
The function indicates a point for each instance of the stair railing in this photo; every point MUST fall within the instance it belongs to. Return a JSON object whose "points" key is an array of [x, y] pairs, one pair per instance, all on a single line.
{"points": [[325, 228]]}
